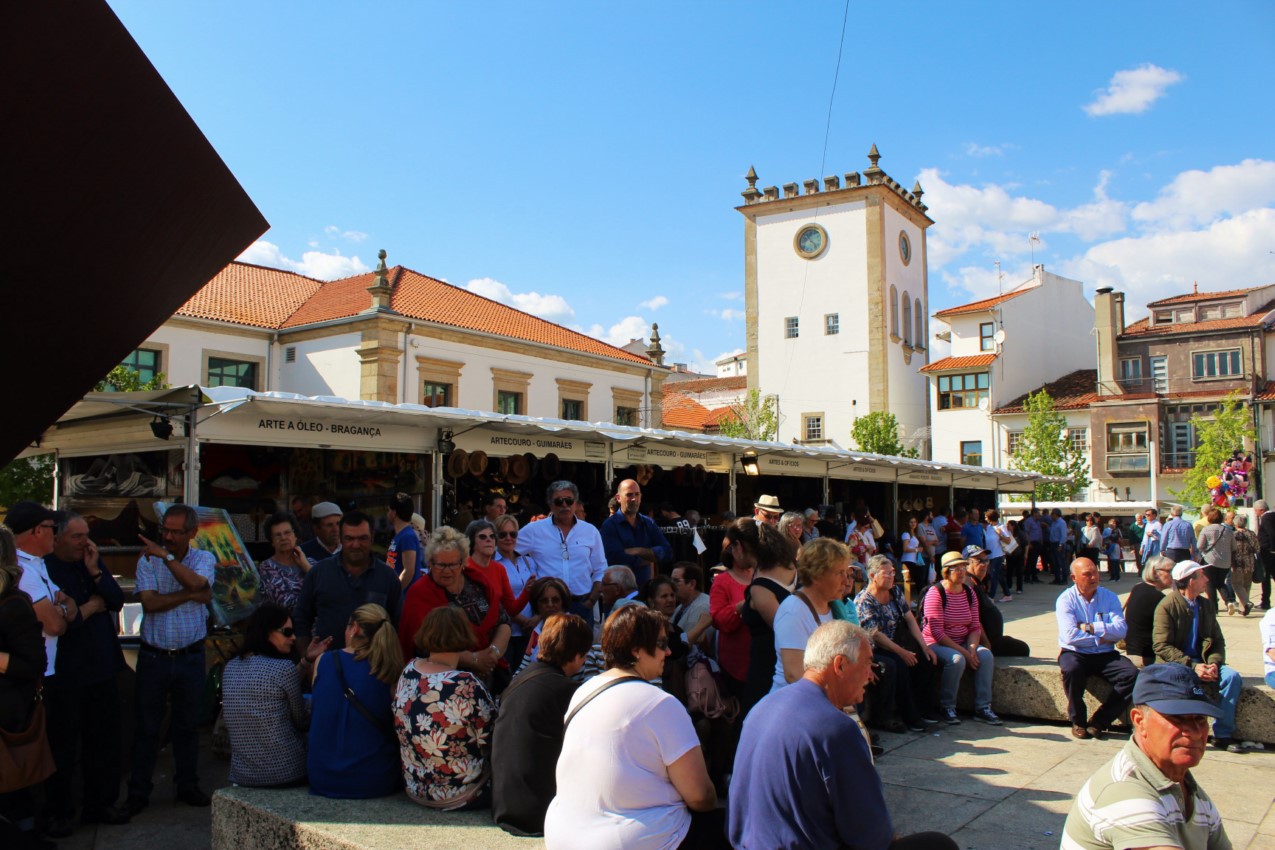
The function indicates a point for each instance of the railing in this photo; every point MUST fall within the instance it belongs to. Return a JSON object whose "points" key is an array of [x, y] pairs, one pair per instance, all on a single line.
{"points": [[1177, 460]]}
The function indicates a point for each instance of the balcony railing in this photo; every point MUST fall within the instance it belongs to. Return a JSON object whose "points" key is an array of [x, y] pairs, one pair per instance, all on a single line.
{"points": [[1177, 460]]}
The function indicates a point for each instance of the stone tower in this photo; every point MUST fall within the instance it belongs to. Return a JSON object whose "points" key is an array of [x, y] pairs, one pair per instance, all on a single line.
{"points": [[835, 290]]}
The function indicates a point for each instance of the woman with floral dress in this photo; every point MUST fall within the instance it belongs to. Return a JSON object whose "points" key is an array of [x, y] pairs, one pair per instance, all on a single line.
{"points": [[284, 571], [444, 719]]}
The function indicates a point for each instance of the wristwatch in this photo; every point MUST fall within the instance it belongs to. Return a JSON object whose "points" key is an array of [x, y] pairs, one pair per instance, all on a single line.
{"points": [[169, 557]]}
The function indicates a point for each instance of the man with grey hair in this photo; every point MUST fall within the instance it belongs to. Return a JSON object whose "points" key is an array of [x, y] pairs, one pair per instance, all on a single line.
{"points": [[801, 757], [1265, 548], [1177, 538], [619, 588], [567, 548], [808, 531]]}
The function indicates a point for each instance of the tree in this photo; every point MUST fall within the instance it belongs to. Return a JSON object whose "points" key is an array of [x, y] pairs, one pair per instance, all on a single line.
{"points": [[1217, 436], [125, 379], [27, 478], [756, 417], [878, 432], [1045, 449]]}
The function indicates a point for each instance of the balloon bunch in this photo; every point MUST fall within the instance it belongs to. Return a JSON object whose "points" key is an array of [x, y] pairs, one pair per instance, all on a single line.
{"points": [[1231, 487]]}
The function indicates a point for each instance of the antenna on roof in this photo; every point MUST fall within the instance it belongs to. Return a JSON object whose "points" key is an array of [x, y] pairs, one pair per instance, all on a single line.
{"points": [[1033, 239]]}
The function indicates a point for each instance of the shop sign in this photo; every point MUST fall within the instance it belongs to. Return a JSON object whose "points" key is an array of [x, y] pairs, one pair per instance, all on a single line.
{"points": [[926, 477], [505, 443], [806, 467], [255, 428], [860, 472], [671, 456]]}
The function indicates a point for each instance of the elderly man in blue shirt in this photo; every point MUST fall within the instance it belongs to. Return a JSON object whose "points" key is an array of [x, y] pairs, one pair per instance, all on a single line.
{"points": [[1090, 624], [631, 539], [1177, 538], [1055, 540]]}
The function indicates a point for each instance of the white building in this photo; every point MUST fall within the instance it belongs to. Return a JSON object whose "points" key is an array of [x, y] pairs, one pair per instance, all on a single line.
{"points": [[732, 365], [395, 336], [1002, 348], [1073, 394], [836, 302]]}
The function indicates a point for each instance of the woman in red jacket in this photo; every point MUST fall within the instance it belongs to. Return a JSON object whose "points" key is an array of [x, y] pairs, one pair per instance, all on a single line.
{"points": [[451, 581]]}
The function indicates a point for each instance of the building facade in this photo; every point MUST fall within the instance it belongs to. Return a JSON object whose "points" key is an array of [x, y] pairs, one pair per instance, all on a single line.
{"points": [[836, 299], [1002, 348]]}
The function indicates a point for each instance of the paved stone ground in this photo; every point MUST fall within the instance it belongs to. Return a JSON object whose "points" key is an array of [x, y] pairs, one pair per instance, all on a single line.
{"points": [[990, 788]]}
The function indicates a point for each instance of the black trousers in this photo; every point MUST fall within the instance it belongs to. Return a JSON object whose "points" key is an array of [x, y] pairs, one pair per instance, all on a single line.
{"points": [[84, 726], [1220, 590], [923, 841], [1115, 668], [1268, 564]]}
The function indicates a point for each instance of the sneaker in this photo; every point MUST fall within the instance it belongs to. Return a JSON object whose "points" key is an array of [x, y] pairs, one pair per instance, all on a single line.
{"points": [[1007, 598], [1230, 609], [949, 716], [915, 726], [986, 715], [930, 719], [1230, 745]]}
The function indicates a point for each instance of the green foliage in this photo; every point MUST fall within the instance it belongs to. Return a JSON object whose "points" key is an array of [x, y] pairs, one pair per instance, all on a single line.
{"points": [[1216, 437], [27, 478], [878, 432], [1046, 449], [754, 418], [124, 379]]}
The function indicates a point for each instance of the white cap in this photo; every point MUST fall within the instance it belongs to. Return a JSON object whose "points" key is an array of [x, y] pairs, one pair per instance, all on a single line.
{"points": [[1182, 569]]}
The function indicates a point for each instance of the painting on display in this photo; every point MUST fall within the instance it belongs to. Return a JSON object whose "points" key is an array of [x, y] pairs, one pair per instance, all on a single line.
{"points": [[236, 587]]}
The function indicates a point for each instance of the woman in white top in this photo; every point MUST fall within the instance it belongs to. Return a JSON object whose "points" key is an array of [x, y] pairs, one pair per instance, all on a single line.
{"points": [[912, 548], [631, 772], [996, 535], [822, 569]]}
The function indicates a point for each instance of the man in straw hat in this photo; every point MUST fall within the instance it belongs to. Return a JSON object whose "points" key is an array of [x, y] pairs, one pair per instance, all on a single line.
{"points": [[766, 509]]}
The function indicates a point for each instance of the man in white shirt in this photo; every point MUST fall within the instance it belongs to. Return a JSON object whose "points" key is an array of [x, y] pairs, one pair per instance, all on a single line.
{"points": [[32, 525], [567, 548]]}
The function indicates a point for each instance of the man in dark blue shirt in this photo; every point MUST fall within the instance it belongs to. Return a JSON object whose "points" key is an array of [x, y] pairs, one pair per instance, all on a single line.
{"points": [[631, 539], [803, 775], [84, 713], [973, 532]]}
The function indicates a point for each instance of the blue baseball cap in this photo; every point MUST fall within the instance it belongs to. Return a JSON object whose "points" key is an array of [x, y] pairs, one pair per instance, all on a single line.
{"points": [[1173, 689]]}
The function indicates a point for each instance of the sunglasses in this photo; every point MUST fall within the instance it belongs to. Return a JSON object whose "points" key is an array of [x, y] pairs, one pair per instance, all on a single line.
{"points": [[286, 631], [566, 501], [484, 537], [505, 535]]}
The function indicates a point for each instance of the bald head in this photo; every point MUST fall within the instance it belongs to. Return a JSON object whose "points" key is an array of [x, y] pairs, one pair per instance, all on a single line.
{"points": [[629, 493]]}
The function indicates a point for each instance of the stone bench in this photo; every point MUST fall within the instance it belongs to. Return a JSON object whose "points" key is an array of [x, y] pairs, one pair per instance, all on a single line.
{"points": [[282, 819], [1033, 688]]}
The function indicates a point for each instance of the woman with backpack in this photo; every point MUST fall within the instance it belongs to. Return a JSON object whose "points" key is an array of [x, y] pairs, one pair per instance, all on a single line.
{"points": [[952, 630]]}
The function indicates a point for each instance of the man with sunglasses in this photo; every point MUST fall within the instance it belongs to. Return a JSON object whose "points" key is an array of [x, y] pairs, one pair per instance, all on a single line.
{"points": [[632, 539], [566, 548], [174, 583]]}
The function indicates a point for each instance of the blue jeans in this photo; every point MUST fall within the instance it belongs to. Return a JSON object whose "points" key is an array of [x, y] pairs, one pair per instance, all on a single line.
{"points": [[996, 575], [1230, 685], [953, 666], [161, 681]]}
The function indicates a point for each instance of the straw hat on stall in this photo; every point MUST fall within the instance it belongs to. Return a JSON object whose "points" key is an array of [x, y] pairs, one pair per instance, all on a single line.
{"points": [[457, 463]]}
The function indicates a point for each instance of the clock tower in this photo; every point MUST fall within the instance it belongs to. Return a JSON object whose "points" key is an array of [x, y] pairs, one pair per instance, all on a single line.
{"points": [[835, 290]]}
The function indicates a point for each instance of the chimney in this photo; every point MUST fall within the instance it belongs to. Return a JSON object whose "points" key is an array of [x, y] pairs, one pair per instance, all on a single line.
{"points": [[380, 289], [1108, 323], [656, 351]]}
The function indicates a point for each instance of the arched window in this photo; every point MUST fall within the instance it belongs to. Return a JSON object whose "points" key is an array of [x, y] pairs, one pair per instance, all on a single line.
{"points": [[918, 315], [894, 312], [907, 318]]}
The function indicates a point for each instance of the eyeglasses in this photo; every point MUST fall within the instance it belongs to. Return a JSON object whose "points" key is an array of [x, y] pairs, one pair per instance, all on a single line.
{"points": [[564, 502], [506, 535], [452, 566], [286, 631], [662, 644], [50, 526], [484, 537]]}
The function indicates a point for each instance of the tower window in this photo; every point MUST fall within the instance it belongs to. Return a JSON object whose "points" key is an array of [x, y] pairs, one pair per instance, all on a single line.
{"points": [[832, 324], [790, 327]]}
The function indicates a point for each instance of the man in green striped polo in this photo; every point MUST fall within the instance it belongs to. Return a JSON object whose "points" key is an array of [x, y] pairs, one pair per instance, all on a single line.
{"points": [[1146, 798]]}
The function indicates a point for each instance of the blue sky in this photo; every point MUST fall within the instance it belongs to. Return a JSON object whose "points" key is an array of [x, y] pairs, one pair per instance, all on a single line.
{"points": [[583, 160]]}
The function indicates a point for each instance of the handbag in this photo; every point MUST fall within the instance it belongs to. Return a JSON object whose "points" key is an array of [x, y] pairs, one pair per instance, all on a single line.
{"points": [[25, 757]]}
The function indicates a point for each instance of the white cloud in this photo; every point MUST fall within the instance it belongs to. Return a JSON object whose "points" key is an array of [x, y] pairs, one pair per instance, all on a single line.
{"points": [[734, 295], [315, 264], [1132, 91], [624, 331], [655, 303], [352, 235], [976, 150], [1228, 254], [728, 314], [553, 308], [1199, 197]]}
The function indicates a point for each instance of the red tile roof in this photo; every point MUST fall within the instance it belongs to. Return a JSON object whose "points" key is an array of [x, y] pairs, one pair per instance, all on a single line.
{"points": [[1143, 327], [271, 298], [718, 415], [695, 386], [244, 294], [980, 306], [972, 361], [1201, 296], [683, 413], [1074, 391], [1267, 393]]}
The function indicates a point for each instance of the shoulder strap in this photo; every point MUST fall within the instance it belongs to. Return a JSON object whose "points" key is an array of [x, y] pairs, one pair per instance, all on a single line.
{"points": [[386, 729], [591, 697], [524, 678], [809, 604]]}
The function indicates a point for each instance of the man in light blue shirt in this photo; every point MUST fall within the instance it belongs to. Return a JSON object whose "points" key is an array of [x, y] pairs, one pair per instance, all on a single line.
{"points": [[1057, 537], [1177, 538], [1090, 624], [567, 548]]}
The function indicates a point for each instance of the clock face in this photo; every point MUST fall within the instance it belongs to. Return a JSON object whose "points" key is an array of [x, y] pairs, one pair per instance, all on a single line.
{"points": [[811, 241], [905, 248]]}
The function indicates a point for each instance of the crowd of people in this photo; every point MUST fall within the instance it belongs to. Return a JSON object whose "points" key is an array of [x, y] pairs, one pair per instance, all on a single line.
{"points": [[446, 671]]}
